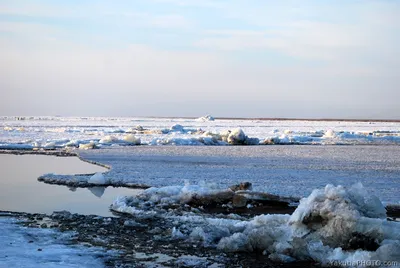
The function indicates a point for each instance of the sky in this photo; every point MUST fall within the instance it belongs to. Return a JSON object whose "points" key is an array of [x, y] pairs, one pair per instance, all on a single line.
{"points": [[237, 58]]}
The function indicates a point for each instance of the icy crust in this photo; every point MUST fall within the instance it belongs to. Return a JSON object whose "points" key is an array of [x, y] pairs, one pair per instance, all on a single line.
{"points": [[332, 224]]}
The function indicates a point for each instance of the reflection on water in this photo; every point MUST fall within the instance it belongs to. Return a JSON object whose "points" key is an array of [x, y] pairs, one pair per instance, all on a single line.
{"points": [[97, 191], [20, 191]]}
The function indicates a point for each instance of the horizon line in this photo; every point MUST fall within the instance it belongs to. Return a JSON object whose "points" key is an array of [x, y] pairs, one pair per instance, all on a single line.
{"points": [[232, 118]]}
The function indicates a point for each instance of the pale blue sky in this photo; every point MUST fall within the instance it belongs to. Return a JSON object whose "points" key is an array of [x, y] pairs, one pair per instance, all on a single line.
{"points": [[337, 59]]}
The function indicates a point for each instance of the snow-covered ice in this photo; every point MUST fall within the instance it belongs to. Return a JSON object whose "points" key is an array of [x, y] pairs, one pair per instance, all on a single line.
{"points": [[36, 247], [99, 132]]}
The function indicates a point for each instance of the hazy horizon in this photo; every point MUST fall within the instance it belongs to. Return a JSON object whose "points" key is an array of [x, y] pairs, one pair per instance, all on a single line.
{"points": [[24, 116], [270, 59]]}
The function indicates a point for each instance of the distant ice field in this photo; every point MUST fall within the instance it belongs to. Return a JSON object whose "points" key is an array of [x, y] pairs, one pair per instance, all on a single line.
{"points": [[285, 170], [62, 132]]}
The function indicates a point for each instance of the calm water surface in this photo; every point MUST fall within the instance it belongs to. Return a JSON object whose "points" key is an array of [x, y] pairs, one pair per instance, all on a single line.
{"points": [[20, 191]]}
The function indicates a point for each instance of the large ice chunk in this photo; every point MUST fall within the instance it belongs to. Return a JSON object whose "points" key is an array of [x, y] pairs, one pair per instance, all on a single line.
{"points": [[237, 136], [131, 139], [205, 118], [333, 223], [98, 179]]}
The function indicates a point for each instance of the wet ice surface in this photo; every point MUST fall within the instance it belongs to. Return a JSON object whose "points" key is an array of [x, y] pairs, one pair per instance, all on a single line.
{"points": [[36, 247], [283, 170]]}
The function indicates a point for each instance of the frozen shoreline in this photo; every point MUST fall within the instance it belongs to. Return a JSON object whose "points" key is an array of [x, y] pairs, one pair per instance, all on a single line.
{"points": [[169, 237], [141, 242]]}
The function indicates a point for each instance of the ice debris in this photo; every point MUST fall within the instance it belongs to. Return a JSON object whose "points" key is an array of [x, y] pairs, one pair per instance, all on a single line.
{"points": [[332, 224], [205, 196], [233, 137], [131, 139]]}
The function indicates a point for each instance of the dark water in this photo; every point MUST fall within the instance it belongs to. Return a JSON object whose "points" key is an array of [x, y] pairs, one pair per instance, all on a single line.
{"points": [[20, 191]]}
